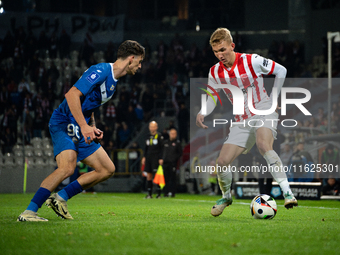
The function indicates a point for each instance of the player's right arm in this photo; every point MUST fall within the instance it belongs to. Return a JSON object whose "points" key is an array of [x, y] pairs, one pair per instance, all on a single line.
{"points": [[210, 104], [73, 101], [91, 78]]}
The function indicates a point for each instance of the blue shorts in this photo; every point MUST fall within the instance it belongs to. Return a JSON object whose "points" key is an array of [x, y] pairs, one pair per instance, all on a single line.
{"points": [[66, 135]]}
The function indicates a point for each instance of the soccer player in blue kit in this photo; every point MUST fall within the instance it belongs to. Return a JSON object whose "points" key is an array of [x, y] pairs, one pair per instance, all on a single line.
{"points": [[75, 136]]}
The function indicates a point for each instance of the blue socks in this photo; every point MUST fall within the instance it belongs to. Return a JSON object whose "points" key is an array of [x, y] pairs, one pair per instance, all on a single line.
{"points": [[42, 194], [70, 190], [39, 198]]}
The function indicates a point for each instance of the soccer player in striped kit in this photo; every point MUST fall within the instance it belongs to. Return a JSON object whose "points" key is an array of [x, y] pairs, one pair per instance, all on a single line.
{"points": [[244, 71]]}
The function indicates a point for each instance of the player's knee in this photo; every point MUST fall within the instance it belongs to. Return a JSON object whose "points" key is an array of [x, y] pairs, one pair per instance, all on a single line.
{"points": [[67, 171], [263, 146], [223, 161], [110, 171]]}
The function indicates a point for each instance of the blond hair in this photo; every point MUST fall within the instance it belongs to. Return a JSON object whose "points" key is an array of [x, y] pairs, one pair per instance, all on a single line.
{"points": [[221, 34]]}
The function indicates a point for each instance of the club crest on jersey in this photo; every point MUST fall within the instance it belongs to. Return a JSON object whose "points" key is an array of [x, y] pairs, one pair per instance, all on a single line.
{"points": [[92, 77], [112, 88]]}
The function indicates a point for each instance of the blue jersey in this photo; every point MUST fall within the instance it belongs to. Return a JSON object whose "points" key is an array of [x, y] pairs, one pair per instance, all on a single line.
{"points": [[97, 85]]}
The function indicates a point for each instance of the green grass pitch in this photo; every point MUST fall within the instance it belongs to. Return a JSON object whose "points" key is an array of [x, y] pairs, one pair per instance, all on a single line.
{"points": [[118, 223]]}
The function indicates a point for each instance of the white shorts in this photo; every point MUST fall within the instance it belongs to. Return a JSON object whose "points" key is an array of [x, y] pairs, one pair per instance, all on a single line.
{"points": [[243, 133]]}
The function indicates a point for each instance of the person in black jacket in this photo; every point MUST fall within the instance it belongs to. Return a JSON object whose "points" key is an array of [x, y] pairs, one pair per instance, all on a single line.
{"points": [[153, 156], [172, 151]]}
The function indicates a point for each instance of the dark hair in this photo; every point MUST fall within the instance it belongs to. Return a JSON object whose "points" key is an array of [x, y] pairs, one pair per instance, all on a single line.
{"points": [[129, 48]]}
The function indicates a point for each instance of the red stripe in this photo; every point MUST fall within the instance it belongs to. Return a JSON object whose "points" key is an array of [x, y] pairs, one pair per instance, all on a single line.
{"points": [[213, 73], [272, 70], [250, 65], [221, 74]]}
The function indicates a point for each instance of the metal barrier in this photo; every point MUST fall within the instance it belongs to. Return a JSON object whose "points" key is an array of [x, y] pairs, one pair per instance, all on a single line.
{"points": [[127, 161]]}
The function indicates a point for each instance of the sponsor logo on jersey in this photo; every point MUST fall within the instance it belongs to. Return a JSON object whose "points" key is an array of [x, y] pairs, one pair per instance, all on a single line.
{"points": [[92, 77]]}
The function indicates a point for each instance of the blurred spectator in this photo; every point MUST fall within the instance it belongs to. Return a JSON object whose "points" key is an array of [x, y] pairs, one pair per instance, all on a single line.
{"points": [[9, 120], [109, 147], [161, 49], [139, 113], [109, 53], [123, 134], [30, 47], [330, 156], [12, 86], [321, 114], [332, 187], [108, 134], [86, 53], [183, 123], [286, 154], [7, 140], [40, 75], [4, 98], [8, 45], [172, 151], [38, 122], [165, 134], [43, 44], [65, 43], [147, 103], [299, 162], [53, 45], [122, 108], [110, 115], [53, 72], [131, 118], [23, 86], [65, 87]]}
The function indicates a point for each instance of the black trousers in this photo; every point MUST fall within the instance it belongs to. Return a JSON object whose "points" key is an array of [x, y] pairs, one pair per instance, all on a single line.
{"points": [[265, 188], [169, 170]]}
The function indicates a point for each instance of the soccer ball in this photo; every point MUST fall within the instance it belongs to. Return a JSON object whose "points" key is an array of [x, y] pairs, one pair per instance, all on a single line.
{"points": [[263, 207]]}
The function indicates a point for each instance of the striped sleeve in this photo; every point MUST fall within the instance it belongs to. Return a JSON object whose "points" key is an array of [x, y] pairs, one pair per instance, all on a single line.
{"points": [[262, 65]]}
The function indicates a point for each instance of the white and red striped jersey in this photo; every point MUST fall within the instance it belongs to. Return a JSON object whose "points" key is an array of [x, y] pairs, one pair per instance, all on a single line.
{"points": [[246, 71]]}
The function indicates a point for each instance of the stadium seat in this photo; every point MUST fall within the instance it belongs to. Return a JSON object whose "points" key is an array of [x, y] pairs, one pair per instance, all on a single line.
{"points": [[36, 141], [67, 71], [9, 160], [18, 153], [17, 147], [100, 54], [57, 61], [2, 164], [48, 63], [32, 85], [47, 146], [38, 153], [74, 54], [28, 151], [48, 153], [165, 21], [46, 140], [173, 21]]}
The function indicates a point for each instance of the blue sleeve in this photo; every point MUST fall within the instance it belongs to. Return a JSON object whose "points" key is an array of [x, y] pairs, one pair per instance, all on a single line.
{"points": [[92, 77]]}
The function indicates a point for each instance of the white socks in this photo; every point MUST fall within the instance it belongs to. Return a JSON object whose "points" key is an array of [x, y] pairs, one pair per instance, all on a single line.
{"points": [[275, 167], [224, 180]]}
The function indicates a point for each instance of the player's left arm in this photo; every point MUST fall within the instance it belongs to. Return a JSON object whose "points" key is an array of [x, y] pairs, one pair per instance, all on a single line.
{"points": [[269, 67], [99, 133]]}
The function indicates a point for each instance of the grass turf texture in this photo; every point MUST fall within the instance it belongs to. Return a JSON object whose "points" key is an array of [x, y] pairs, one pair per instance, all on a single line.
{"points": [[110, 223]]}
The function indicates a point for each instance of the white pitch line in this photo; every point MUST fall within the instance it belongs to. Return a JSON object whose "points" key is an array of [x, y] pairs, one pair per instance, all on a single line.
{"points": [[243, 203]]}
